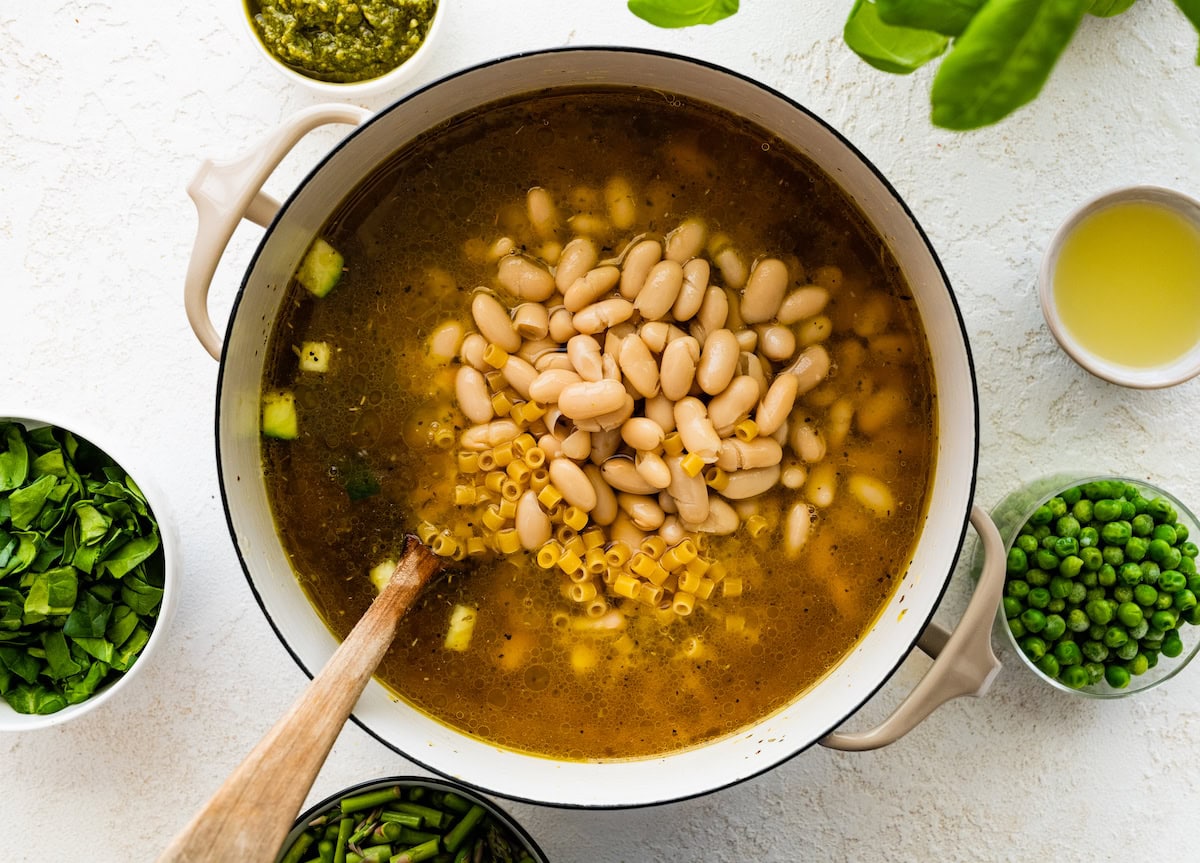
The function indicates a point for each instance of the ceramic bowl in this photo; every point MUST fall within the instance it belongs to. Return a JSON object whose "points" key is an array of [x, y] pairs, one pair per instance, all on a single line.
{"points": [[1015, 510], [120, 452]]}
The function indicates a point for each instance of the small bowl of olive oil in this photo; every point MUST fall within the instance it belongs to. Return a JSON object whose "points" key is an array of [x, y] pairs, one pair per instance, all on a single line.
{"points": [[1120, 287]]}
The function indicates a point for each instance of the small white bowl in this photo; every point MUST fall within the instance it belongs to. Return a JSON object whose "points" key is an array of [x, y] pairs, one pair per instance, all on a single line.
{"points": [[1154, 377], [392, 80], [10, 720]]}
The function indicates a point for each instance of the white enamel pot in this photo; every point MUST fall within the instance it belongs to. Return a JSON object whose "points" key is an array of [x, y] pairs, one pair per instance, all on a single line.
{"points": [[965, 665]]}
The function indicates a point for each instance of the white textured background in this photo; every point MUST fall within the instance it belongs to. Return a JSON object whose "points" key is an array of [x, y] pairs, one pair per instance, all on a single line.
{"points": [[106, 108]]}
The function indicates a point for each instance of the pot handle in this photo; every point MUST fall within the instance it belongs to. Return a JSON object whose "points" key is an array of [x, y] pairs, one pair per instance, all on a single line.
{"points": [[964, 663], [227, 192]]}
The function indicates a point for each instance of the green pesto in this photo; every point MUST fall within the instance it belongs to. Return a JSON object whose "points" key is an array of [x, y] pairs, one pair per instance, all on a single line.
{"points": [[342, 41]]}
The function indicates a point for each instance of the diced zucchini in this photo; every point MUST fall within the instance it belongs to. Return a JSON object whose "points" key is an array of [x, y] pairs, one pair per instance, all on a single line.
{"points": [[462, 625], [321, 269], [381, 574], [279, 416], [314, 357]]}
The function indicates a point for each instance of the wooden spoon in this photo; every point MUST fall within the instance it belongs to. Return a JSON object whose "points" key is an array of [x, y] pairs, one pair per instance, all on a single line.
{"points": [[249, 816]]}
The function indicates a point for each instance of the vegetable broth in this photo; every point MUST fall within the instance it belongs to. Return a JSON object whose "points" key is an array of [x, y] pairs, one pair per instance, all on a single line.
{"points": [[1127, 284], [539, 676]]}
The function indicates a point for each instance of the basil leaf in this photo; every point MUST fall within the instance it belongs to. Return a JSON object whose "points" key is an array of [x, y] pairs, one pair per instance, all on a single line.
{"points": [[14, 460], [1191, 9], [682, 13], [1002, 60], [1109, 8], [129, 555], [25, 503], [52, 592], [948, 17], [899, 50], [33, 699]]}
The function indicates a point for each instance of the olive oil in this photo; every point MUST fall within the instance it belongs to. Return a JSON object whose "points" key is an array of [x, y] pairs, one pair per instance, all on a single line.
{"points": [[1127, 284]]}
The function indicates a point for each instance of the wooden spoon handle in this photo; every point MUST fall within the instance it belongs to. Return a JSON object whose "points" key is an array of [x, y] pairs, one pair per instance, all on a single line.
{"points": [[249, 816]]}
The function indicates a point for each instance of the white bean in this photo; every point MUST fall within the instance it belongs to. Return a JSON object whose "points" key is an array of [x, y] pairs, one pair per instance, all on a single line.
{"points": [[578, 256], [775, 406], [660, 290], [532, 523], [745, 455], [810, 368], [696, 273], [620, 473], [718, 361], [807, 443], [445, 341], [642, 433], [543, 215], [764, 291], [653, 469], [734, 404], [744, 484], [642, 510], [620, 203], [562, 325], [672, 530], [523, 278], [599, 316], [837, 421], [752, 365], [696, 429], [872, 494], [519, 374], [747, 340], [572, 483], [488, 435], [678, 367], [872, 315], [822, 485], [814, 331], [493, 321], [689, 492], [547, 386], [556, 360], [728, 260], [686, 241], [589, 399], [796, 528], [639, 366], [590, 287], [667, 503], [713, 314], [606, 502], [636, 267], [584, 353], [604, 444], [803, 303], [776, 343], [662, 410], [793, 475], [577, 445], [472, 393], [533, 350], [880, 409], [722, 519]]}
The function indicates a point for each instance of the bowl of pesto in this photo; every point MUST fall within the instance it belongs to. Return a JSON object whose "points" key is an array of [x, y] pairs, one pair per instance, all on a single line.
{"points": [[343, 48]]}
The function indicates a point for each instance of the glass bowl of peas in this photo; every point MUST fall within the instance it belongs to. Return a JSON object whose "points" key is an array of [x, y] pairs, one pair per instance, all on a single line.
{"points": [[1101, 588], [408, 819]]}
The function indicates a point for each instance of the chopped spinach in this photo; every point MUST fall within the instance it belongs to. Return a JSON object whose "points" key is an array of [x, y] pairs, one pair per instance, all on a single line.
{"points": [[81, 569]]}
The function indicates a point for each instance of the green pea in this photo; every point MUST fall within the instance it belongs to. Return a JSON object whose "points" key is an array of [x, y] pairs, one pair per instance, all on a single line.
{"points": [[1077, 620], [1129, 491], [1185, 601], [1138, 631], [1192, 615], [1012, 607], [1164, 620], [1172, 580], [1172, 644], [1105, 510], [1067, 527], [1095, 672], [1113, 555], [1138, 665], [1077, 594], [1016, 628], [1037, 577], [1017, 588], [1089, 537], [1033, 647], [1056, 606], [1072, 495], [1171, 559], [1140, 504], [1116, 532], [1099, 612], [1122, 593], [1059, 587], [1058, 507], [1181, 532], [1128, 510], [1082, 510], [1150, 571], [1193, 583], [1141, 525], [1046, 559], [1135, 547], [1130, 574], [1157, 550], [1128, 613], [1068, 653], [1107, 575], [1041, 516], [1055, 627], [1071, 566], [1065, 546], [1144, 594], [1041, 532], [1151, 658], [1165, 600], [1089, 579], [1033, 620], [1039, 597], [1027, 544], [1075, 677], [1093, 491], [1094, 650], [1048, 665], [1160, 508], [1091, 558], [1164, 532], [1017, 561], [1115, 636], [1189, 549], [1128, 650], [1117, 676], [1187, 565]]}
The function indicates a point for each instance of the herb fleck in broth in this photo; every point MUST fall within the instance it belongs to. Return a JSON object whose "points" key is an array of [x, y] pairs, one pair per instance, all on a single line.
{"points": [[366, 428]]}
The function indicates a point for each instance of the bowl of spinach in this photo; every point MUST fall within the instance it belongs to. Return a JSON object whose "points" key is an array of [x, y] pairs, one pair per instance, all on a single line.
{"points": [[88, 572]]}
